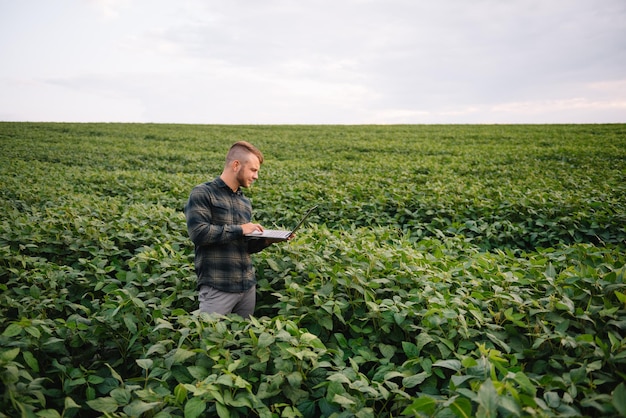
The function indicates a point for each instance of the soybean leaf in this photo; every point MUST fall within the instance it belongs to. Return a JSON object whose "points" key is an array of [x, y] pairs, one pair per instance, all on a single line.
{"points": [[487, 400], [424, 405], [462, 407], [105, 404], [194, 407], [449, 364], [619, 399]]}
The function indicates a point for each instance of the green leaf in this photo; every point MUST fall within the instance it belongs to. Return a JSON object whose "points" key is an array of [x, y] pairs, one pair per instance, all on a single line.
{"points": [[399, 318], [410, 349], [294, 379], [341, 340], [310, 339], [106, 404], [198, 372], [13, 330], [424, 405], [121, 395], [9, 355], [138, 407], [178, 356], [414, 380], [326, 322], [458, 381], [242, 400], [488, 400], [129, 321], [35, 292], [194, 407], [565, 304], [621, 297], [294, 394], [552, 399], [449, 364], [225, 380], [144, 363], [265, 340], [422, 340], [550, 271], [273, 265], [525, 384], [156, 348], [334, 388], [339, 377], [222, 410], [34, 331], [48, 413], [115, 374], [619, 399], [90, 393], [31, 360], [78, 382], [387, 350], [468, 393], [343, 400], [70, 403], [498, 341], [462, 407], [95, 379], [180, 393]]}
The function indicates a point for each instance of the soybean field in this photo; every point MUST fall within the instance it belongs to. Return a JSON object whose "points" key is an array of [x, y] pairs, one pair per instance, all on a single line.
{"points": [[449, 271]]}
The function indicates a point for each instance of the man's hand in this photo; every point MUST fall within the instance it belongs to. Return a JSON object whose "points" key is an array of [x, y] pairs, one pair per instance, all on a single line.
{"points": [[250, 228]]}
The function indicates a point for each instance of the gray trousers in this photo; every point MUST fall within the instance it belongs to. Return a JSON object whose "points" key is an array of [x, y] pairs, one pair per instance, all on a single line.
{"points": [[215, 301]]}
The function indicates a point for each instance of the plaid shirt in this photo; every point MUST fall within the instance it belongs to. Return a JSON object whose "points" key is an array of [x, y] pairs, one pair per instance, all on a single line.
{"points": [[214, 217]]}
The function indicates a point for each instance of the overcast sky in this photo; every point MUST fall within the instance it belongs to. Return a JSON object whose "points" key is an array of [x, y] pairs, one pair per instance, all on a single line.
{"points": [[313, 61]]}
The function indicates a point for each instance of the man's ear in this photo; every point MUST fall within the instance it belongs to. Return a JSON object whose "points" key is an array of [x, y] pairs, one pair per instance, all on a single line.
{"points": [[236, 165]]}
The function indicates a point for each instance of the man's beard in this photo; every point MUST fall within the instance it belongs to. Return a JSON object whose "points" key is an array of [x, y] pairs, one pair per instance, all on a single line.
{"points": [[241, 180]]}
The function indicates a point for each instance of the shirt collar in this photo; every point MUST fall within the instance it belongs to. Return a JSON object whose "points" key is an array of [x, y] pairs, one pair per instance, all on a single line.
{"points": [[222, 183]]}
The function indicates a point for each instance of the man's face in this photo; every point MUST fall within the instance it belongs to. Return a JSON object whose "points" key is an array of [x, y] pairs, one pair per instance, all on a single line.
{"points": [[248, 171]]}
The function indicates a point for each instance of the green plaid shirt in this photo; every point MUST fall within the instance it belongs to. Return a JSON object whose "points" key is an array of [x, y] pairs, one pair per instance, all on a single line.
{"points": [[222, 254]]}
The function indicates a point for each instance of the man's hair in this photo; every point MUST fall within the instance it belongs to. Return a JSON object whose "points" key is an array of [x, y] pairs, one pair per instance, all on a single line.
{"points": [[239, 151]]}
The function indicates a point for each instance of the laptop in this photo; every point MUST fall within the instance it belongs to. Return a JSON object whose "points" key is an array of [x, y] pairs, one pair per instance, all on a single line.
{"points": [[277, 234]]}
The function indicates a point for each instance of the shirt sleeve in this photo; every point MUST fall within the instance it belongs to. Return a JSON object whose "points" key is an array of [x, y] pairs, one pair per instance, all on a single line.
{"points": [[200, 222]]}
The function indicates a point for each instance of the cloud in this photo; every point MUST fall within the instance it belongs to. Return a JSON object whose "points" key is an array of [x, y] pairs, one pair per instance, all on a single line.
{"points": [[110, 9], [349, 61], [539, 107]]}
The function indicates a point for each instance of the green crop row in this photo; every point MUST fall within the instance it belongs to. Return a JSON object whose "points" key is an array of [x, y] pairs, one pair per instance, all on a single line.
{"points": [[449, 271]]}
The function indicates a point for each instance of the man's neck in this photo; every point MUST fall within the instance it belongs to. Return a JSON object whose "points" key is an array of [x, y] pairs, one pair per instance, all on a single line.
{"points": [[230, 182]]}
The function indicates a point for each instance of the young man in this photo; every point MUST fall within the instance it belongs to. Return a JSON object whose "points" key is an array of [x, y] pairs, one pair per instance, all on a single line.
{"points": [[218, 216]]}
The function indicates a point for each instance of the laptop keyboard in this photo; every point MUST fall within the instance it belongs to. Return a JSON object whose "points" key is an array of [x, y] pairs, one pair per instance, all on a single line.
{"points": [[272, 233]]}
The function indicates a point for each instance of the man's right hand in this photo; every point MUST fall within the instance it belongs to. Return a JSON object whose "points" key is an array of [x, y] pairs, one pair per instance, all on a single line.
{"points": [[250, 228]]}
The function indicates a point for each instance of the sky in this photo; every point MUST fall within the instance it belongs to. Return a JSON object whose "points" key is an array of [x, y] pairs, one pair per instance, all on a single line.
{"points": [[313, 61]]}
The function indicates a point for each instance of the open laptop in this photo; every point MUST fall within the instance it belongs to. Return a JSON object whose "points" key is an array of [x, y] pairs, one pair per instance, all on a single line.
{"points": [[277, 234]]}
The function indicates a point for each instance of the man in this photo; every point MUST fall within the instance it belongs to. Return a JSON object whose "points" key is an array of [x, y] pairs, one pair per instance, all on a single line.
{"points": [[218, 216]]}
